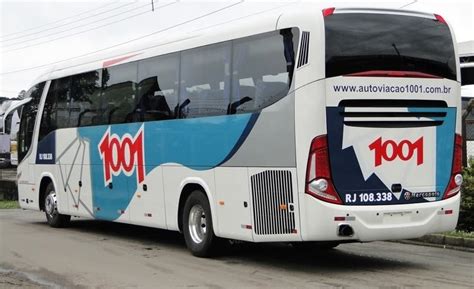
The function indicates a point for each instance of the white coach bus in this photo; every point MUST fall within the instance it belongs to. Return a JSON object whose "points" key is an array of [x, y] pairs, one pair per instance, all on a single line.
{"points": [[293, 126]]}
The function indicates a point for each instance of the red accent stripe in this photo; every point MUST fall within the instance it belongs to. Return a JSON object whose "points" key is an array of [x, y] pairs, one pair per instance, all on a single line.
{"points": [[339, 218], [328, 11], [117, 60], [448, 212], [392, 73], [440, 19]]}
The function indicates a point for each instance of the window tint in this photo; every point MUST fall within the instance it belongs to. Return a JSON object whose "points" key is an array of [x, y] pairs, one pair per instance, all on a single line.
{"points": [[157, 88], [193, 83], [8, 122], [56, 107], [28, 116], [262, 69], [87, 106], [61, 104], [357, 42], [118, 88], [467, 75], [205, 81]]}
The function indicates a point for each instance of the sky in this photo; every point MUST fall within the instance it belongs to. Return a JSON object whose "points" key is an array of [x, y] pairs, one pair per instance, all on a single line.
{"points": [[35, 34]]}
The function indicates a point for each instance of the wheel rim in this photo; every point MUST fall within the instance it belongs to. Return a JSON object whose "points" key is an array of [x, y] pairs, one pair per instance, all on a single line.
{"points": [[50, 204], [197, 224]]}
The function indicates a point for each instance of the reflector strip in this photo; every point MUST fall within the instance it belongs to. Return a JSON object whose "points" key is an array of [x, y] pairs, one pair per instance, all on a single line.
{"points": [[392, 73], [343, 218]]}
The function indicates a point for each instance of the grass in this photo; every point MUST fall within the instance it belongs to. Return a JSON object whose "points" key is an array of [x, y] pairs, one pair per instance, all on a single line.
{"points": [[460, 234], [9, 204]]}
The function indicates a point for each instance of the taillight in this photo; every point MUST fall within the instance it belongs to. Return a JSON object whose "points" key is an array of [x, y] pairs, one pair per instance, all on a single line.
{"points": [[455, 181], [440, 19], [318, 173], [328, 11]]}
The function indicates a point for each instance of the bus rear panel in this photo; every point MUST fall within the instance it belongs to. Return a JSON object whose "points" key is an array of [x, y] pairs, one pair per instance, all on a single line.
{"points": [[389, 165]]}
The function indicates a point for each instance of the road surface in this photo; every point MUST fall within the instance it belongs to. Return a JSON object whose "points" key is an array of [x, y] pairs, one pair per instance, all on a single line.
{"points": [[93, 254]]}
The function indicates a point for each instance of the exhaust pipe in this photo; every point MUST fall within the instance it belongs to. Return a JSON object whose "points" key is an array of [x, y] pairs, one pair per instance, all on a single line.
{"points": [[345, 230]]}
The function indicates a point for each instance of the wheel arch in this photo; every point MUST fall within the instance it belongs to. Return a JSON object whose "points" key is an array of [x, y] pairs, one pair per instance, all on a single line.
{"points": [[188, 186], [46, 179]]}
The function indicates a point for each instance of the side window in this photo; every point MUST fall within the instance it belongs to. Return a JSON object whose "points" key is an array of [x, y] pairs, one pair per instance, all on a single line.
{"points": [[205, 81], [262, 69], [8, 122], [62, 102], [86, 103], [157, 88], [56, 107], [118, 88], [27, 122]]}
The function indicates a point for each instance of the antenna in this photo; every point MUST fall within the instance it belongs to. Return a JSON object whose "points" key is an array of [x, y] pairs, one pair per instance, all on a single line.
{"points": [[152, 6], [406, 5]]}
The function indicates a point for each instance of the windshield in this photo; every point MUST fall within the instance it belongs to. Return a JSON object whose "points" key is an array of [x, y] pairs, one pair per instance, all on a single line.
{"points": [[358, 42]]}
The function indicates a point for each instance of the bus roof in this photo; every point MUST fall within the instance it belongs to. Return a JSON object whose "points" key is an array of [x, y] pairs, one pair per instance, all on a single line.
{"points": [[220, 30]]}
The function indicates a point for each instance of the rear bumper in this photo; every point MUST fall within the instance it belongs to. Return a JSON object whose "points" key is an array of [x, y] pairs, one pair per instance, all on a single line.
{"points": [[371, 223]]}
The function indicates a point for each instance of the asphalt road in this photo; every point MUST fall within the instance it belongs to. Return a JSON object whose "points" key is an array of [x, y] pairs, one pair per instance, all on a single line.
{"points": [[92, 254]]}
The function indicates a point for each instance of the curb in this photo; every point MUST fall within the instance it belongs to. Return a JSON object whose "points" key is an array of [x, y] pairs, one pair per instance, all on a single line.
{"points": [[441, 241]]}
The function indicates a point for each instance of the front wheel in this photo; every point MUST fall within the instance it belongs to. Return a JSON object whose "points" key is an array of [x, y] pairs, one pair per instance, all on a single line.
{"points": [[54, 218], [197, 225]]}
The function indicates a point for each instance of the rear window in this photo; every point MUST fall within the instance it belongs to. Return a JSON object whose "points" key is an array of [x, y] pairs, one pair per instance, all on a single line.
{"points": [[357, 42]]}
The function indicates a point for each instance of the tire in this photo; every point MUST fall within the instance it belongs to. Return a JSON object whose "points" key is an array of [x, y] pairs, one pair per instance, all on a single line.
{"points": [[197, 225], [54, 219]]}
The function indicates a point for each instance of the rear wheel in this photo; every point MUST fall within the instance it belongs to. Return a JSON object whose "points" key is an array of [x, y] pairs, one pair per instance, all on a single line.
{"points": [[54, 218], [197, 225]]}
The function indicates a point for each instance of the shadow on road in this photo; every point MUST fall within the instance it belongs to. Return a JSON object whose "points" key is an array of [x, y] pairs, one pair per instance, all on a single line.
{"points": [[344, 258]]}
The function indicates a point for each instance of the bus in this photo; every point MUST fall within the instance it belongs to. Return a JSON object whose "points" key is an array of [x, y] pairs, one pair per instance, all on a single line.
{"points": [[4, 139], [9, 130], [302, 126], [9, 126]]}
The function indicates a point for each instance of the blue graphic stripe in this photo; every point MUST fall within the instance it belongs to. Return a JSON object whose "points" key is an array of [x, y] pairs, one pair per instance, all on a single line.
{"points": [[445, 135], [199, 144]]}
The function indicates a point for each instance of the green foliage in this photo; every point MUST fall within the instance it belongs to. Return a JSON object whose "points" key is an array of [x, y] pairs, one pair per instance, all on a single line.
{"points": [[461, 234], [9, 204], [466, 215]]}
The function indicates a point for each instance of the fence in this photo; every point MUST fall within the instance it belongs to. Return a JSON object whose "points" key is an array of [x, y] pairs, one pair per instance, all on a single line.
{"points": [[8, 174]]}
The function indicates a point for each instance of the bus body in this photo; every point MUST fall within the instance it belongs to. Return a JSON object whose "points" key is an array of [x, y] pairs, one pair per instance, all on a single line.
{"points": [[291, 126]]}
